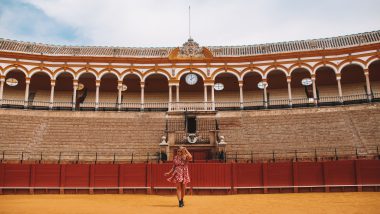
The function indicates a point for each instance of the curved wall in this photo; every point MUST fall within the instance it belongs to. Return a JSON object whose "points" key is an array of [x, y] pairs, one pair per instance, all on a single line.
{"points": [[140, 132]]}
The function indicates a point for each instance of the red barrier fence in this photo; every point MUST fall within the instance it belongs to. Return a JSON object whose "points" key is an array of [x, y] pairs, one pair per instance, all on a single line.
{"points": [[344, 175]]}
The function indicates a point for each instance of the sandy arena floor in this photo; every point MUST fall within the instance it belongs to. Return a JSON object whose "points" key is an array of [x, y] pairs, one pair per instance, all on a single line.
{"points": [[270, 203]]}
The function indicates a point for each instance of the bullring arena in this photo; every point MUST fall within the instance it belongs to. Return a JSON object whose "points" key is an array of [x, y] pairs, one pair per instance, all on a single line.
{"points": [[98, 126]]}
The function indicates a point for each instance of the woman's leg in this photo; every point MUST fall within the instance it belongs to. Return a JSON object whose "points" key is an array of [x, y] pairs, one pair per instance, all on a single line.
{"points": [[183, 190], [179, 186]]}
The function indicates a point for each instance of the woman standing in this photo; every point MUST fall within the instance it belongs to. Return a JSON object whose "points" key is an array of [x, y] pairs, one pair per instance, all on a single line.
{"points": [[180, 173]]}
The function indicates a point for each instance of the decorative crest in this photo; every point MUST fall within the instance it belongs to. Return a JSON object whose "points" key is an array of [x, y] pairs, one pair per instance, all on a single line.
{"points": [[190, 49]]}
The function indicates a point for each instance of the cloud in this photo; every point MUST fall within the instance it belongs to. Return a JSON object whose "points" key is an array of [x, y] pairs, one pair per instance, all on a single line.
{"points": [[22, 21], [165, 22]]}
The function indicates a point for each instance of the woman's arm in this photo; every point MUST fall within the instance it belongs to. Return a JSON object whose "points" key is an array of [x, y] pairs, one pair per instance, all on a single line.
{"points": [[189, 157], [171, 170]]}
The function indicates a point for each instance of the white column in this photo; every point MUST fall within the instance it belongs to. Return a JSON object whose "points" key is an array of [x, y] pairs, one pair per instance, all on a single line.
{"points": [[27, 82], [265, 95], [119, 88], [368, 84], [205, 96], [177, 93], [2, 80], [289, 81], [241, 95], [170, 97], [97, 95], [75, 86], [205, 93], [213, 97], [314, 90], [52, 85], [142, 85], [339, 88]]}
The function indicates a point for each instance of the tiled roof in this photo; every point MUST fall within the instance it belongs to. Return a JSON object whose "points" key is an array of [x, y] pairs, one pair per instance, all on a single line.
{"points": [[217, 51]]}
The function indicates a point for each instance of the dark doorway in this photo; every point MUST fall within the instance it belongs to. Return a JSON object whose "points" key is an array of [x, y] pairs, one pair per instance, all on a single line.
{"points": [[200, 154], [191, 125]]}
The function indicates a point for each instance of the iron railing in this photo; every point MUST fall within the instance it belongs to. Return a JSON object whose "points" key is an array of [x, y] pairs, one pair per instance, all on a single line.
{"points": [[194, 106], [317, 154], [302, 154], [77, 157]]}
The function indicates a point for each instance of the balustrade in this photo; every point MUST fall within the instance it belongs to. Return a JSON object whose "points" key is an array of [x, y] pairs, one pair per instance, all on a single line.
{"points": [[195, 106]]}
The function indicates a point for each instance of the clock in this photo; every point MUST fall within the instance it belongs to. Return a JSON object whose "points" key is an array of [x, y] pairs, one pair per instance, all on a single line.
{"points": [[191, 79], [11, 81], [80, 87], [219, 86]]}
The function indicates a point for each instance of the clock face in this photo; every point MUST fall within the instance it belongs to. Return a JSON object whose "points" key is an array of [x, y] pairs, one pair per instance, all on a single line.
{"points": [[11, 81], [219, 86], [191, 79]]}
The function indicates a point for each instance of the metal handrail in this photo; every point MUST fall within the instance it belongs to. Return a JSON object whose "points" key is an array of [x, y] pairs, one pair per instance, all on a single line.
{"points": [[196, 106], [21, 156], [317, 153]]}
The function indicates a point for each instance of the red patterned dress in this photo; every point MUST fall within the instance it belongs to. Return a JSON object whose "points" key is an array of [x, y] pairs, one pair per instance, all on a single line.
{"points": [[181, 171]]}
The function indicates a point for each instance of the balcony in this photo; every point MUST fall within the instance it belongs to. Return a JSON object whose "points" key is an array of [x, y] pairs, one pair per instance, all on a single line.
{"points": [[193, 106]]}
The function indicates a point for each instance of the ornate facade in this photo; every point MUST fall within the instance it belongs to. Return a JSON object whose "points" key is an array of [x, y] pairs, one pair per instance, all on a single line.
{"points": [[192, 79], [352, 52]]}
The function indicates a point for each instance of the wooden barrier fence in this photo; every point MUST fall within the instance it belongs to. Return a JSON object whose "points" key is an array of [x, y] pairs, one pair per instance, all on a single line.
{"points": [[206, 178]]}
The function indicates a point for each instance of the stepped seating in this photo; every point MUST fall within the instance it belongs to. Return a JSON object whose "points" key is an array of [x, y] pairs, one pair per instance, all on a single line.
{"points": [[63, 96], [227, 96], [375, 87], [328, 91], [278, 94], [42, 95], [13, 94], [41, 98], [185, 96], [299, 93], [159, 97], [302, 129], [108, 97], [131, 97], [281, 131], [55, 132], [352, 89], [89, 101]]}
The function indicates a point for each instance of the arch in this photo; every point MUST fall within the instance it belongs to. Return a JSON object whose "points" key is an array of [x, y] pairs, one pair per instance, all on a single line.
{"points": [[232, 71], [297, 74], [109, 71], [275, 68], [252, 70], [86, 70], [188, 70], [300, 65], [1, 71], [41, 70], [345, 63], [131, 71], [10, 68], [325, 64], [371, 60], [59, 71], [156, 71]]}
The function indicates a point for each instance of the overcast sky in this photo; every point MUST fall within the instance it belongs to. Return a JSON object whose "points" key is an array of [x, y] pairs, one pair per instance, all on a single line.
{"points": [[153, 23]]}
